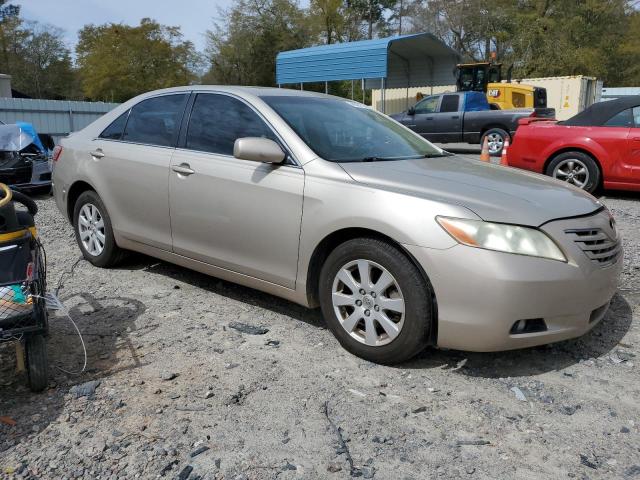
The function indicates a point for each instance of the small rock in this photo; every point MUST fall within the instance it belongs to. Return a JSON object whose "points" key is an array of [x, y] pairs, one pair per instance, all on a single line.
{"points": [[273, 343], [624, 430], [470, 470], [334, 467], [87, 389], [166, 376], [420, 409], [185, 472], [248, 329], [198, 451], [479, 441], [570, 409], [209, 394], [229, 366], [289, 466], [368, 471], [584, 460], [518, 393]]}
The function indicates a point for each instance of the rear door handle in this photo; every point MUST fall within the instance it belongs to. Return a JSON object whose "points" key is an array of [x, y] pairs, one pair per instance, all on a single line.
{"points": [[183, 169], [429, 118], [455, 117], [97, 153]]}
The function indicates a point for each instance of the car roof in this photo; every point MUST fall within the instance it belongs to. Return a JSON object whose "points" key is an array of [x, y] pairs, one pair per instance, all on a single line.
{"points": [[598, 113], [242, 91]]}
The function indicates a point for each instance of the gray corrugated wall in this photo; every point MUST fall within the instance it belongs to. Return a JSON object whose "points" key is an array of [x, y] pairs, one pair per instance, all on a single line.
{"points": [[55, 117]]}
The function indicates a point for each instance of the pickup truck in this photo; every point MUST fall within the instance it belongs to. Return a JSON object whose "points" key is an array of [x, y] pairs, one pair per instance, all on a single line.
{"points": [[465, 117]]}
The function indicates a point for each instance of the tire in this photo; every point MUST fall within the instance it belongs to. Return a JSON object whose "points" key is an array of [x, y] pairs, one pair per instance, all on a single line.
{"points": [[497, 137], [575, 168], [410, 293], [106, 253], [37, 363]]}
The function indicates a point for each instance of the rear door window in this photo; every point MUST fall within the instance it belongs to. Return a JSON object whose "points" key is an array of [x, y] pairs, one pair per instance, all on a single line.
{"points": [[636, 116], [115, 130], [217, 121], [449, 103], [155, 121]]}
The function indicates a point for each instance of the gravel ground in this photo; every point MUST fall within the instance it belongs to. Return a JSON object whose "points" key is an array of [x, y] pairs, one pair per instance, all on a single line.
{"points": [[177, 392]]}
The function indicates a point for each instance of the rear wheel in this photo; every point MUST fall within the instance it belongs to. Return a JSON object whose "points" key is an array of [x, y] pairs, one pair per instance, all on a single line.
{"points": [[375, 301], [576, 168], [496, 138], [37, 363], [94, 233]]}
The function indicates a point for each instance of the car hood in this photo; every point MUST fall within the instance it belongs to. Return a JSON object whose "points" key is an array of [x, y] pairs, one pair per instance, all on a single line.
{"points": [[494, 193]]}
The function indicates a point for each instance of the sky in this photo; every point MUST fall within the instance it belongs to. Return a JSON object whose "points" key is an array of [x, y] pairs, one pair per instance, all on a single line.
{"points": [[193, 16]]}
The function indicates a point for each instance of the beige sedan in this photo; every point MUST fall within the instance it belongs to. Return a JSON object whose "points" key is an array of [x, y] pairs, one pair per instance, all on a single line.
{"points": [[326, 202]]}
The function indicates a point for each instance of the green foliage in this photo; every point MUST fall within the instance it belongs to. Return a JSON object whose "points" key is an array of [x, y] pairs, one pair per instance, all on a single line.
{"points": [[117, 62], [243, 50], [35, 56]]}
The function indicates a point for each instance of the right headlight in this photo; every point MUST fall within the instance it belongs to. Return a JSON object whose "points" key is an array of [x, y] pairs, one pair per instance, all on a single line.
{"points": [[502, 237]]}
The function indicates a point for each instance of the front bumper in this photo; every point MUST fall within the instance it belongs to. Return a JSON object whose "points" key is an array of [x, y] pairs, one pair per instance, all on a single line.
{"points": [[481, 294]]}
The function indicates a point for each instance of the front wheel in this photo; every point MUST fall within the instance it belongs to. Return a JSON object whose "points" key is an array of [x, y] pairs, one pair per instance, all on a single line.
{"points": [[375, 301], [576, 168]]}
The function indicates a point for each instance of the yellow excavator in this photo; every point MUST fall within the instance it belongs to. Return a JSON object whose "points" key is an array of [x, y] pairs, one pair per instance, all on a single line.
{"points": [[487, 77]]}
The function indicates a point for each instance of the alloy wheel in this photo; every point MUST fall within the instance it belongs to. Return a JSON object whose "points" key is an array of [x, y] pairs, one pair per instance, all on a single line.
{"points": [[572, 170], [496, 142], [91, 229], [368, 302]]}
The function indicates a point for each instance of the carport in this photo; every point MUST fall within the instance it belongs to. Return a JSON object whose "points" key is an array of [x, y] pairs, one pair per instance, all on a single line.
{"points": [[394, 62]]}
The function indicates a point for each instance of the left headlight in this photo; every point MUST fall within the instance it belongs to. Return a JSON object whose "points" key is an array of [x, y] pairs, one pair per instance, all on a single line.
{"points": [[502, 237]]}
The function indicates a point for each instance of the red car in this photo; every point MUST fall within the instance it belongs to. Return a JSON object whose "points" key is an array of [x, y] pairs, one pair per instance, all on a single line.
{"points": [[599, 147]]}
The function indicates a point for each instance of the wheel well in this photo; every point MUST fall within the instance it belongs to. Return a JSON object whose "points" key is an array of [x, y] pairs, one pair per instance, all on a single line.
{"points": [[572, 149], [489, 127], [75, 191], [333, 240]]}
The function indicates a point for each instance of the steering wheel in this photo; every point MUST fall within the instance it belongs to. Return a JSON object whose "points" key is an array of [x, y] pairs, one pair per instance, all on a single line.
{"points": [[6, 195], [21, 198]]}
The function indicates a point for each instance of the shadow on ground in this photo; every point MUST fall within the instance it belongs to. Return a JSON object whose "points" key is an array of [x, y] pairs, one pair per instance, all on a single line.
{"points": [[106, 325], [230, 290], [516, 363]]}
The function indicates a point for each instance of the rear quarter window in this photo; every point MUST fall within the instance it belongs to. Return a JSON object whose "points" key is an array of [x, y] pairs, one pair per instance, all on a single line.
{"points": [[115, 130]]}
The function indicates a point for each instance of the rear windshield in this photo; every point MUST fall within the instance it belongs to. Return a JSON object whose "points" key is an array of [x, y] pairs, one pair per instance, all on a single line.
{"points": [[346, 131]]}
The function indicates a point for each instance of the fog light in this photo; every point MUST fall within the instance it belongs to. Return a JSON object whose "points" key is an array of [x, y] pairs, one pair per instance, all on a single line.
{"points": [[530, 325]]}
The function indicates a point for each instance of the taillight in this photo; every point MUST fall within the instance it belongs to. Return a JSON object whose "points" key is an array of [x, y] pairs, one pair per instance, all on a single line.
{"points": [[57, 151]]}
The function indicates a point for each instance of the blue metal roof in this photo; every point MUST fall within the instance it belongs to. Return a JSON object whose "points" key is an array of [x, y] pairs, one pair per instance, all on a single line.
{"points": [[368, 59]]}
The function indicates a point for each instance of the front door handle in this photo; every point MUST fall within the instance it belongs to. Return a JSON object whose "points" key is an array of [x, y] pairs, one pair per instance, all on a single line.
{"points": [[183, 169], [429, 118], [97, 153]]}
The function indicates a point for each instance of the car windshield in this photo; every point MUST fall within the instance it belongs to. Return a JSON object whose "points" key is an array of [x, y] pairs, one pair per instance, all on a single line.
{"points": [[347, 131]]}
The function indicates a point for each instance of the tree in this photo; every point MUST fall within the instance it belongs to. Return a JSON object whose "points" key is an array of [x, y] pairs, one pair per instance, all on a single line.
{"points": [[117, 61], [242, 48], [35, 55]]}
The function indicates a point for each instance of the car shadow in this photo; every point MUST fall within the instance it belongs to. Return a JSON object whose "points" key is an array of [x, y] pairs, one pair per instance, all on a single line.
{"points": [[230, 290], [515, 363], [600, 341], [618, 195], [108, 330]]}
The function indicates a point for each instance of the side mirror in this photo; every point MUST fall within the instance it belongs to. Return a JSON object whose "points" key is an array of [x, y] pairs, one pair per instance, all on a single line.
{"points": [[258, 150], [411, 111]]}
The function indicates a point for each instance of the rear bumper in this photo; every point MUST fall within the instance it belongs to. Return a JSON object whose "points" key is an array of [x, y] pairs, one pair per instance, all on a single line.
{"points": [[481, 294]]}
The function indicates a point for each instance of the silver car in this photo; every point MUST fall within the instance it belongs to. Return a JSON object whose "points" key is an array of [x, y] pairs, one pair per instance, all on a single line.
{"points": [[325, 202]]}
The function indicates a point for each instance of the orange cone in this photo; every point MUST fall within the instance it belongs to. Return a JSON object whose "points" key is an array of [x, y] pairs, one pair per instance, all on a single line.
{"points": [[484, 153], [503, 159]]}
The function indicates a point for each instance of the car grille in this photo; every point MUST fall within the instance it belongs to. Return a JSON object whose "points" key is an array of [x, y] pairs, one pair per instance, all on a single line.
{"points": [[16, 176], [596, 244]]}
